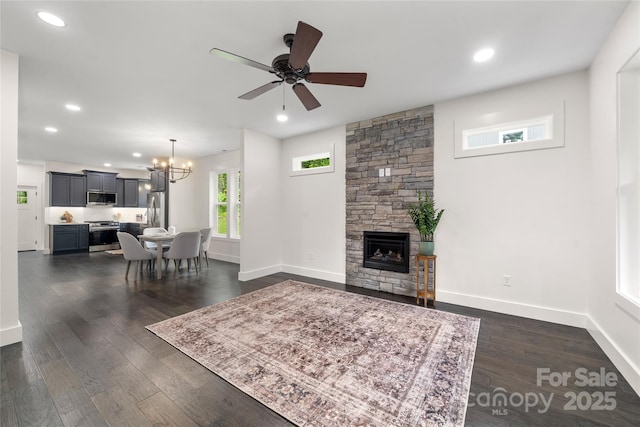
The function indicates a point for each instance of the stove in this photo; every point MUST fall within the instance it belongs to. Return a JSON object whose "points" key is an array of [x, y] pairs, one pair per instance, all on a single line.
{"points": [[103, 225], [103, 235]]}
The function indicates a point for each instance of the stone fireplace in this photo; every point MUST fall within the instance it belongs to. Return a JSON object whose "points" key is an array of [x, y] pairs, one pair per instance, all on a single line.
{"points": [[386, 251], [378, 201]]}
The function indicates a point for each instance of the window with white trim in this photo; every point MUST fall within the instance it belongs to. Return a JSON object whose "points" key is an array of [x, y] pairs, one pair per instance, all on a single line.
{"points": [[508, 133], [313, 163], [237, 209], [225, 205], [628, 283], [508, 128]]}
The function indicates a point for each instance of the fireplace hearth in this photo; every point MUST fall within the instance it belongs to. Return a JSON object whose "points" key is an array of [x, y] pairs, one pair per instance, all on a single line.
{"points": [[386, 251]]}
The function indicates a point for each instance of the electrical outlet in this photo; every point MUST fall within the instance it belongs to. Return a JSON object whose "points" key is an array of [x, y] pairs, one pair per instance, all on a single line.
{"points": [[312, 256], [387, 171], [506, 280], [380, 172]]}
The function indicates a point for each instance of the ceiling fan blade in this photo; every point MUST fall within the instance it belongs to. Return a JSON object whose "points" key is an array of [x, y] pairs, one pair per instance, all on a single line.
{"points": [[306, 97], [236, 58], [262, 89], [305, 40], [341, 79]]}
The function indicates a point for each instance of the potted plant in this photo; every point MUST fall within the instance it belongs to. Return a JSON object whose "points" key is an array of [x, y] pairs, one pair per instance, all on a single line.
{"points": [[426, 217]]}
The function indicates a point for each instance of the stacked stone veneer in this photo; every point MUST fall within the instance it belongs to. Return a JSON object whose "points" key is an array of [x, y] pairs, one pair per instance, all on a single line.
{"points": [[403, 142]]}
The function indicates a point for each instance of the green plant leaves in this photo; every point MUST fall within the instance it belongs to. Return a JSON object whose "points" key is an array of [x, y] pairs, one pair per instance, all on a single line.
{"points": [[425, 216]]}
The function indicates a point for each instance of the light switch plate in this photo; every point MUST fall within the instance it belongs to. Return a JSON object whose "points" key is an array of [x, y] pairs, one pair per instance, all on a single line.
{"points": [[387, 171], [381, 172]]}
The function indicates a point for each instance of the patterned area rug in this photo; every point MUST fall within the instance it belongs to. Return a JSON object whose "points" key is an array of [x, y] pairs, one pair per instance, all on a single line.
{"points": [[323, 357]]}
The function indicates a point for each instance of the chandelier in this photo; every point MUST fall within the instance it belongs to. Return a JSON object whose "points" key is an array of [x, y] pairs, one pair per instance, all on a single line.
{"points": [[169, 169]]}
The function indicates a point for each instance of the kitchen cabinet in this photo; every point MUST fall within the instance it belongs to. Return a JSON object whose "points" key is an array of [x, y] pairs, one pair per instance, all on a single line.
{"points": [[132, 193], [67, 189], [119, 193], [144, 185], [158, 181], [69, 238], [101, 181]]}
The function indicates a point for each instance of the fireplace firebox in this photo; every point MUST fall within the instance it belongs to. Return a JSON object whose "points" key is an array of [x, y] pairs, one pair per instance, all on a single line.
{"points": [[386, 251]]}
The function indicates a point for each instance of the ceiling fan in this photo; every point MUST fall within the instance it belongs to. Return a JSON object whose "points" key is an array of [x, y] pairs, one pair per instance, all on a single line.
{"points": [[292, 68]]}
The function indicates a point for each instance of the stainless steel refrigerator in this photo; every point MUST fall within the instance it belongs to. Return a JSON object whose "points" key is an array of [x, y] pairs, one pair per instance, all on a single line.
{"points": [[157, 210]]}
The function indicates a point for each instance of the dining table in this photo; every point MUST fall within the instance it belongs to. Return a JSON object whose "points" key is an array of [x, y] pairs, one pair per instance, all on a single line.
{"points": [[159, 239]]}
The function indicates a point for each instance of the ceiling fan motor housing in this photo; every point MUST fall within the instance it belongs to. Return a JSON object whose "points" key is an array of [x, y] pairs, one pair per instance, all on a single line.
{"points": [[282, 69]]}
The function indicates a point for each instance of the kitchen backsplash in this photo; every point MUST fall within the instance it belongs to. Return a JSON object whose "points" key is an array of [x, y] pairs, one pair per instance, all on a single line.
{"points": [[102, 213]]}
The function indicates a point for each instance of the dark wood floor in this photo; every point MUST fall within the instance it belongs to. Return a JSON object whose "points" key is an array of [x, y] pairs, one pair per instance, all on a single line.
{"points": [[87, 359]]}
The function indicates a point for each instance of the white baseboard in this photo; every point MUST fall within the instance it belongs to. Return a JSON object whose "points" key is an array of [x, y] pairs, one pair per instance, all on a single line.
{"points": [[530, 311], [627, 368], [224, 257], [243, 276], [316, 274], [11, 335]]}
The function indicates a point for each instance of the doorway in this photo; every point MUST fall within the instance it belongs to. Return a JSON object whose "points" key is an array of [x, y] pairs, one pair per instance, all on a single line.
{"points": [[27, 197]]}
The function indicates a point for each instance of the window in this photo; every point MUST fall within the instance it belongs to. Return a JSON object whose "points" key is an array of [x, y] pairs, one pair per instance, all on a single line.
{"points": [[628, 287], [225, 207], [237, 209], [312, 163], [509, 133], [507, 128], [220, 204], [22, 197]]}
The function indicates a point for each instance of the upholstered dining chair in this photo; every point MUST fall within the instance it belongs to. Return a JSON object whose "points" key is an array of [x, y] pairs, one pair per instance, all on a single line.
{"points": [[206, 242], [186, 245], [133, 251], [155, 230]]}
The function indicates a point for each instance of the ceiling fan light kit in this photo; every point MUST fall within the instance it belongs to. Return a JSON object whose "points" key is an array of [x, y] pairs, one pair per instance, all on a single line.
{"points": [[292, 68]]}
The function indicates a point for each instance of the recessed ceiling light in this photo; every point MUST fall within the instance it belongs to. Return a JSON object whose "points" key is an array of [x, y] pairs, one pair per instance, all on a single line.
{"points": [[51, 19], [483, 55], [72, 107], [108, 165], [51, 129], [137, 155]]}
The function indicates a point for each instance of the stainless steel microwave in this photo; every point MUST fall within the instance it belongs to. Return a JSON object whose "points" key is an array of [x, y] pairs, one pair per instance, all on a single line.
{"points": [[100, 198]]}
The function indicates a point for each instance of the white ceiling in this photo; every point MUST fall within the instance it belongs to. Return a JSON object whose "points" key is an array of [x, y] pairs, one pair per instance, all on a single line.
{"points": [[142, 73]]}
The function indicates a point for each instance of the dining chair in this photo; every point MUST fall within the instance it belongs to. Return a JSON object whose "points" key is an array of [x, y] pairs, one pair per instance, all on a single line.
{"points": [[206, 242], [133, 251], [186, 245], [155, 230]]}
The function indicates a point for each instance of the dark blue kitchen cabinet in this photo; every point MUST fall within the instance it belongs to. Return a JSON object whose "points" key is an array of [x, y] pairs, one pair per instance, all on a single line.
{"points": [[67, 189], [104, 182], [119, 193], [131, 193], [158, 180], [144, 185], [69, 238]]}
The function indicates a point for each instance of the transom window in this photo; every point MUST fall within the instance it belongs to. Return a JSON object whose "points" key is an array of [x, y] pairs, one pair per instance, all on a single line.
{"points": [[508, 133], [312, 163], [508, 128]]}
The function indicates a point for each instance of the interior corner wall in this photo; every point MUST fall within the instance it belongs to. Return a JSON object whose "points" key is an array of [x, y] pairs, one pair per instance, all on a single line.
{"points": [[260, 246], [522, 214], [313, 209], [222, 249], [10, 327], [615, 329], [181, 196]]}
